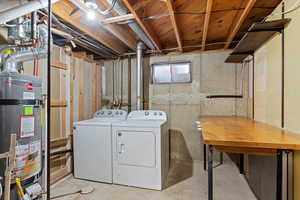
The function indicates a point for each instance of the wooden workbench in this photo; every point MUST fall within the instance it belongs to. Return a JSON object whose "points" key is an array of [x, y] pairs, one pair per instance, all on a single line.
{"points": [[242, 135]]}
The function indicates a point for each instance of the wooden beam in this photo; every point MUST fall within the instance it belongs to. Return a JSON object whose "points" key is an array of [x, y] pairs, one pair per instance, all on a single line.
{"points": [[10, 166], [56, 103], [95, 50], [119, 32], [4, 155], [239, 23], [148, 31], [174, 23], [117, 19], [59, 174], [62, 9], [141, 4], [250, 151], [206, 22], [59, 142], [59, 65], [80, 74]]}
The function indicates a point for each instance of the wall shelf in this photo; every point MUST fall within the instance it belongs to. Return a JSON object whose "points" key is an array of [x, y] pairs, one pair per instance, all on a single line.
{"points": [[257, 35]]}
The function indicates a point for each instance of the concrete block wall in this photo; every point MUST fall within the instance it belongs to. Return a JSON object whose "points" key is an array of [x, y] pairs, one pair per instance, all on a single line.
{"points": [[185, 103]]}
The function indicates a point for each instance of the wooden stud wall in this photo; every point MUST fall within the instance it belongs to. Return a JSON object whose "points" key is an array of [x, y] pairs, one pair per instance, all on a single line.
{"points": [[69, 72], [60, 135]]}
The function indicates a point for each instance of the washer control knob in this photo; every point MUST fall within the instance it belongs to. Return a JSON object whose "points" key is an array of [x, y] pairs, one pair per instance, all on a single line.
{"points": [[121, 113], [146, 113], [109, 113], [160, 114]]}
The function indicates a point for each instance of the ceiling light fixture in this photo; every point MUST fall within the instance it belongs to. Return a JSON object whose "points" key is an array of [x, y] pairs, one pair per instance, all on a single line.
{"points": [[91, 15], [91, 4]]}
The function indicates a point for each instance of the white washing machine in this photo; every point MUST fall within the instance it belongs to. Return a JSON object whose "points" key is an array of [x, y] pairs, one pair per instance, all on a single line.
{"points": [[93, 145], [141, 150]]}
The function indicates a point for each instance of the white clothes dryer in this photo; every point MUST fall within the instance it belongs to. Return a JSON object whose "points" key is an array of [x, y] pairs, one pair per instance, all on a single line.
{"points": [[141, 150]]}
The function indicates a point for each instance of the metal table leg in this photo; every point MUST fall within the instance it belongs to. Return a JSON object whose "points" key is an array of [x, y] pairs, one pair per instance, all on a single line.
{"points": [[210, 172], [221, 158], [279, 176], [204, 156], [241, 165]]}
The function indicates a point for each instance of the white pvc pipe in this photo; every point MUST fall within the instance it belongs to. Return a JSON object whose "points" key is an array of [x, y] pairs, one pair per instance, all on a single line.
{"points": [[62, 33], [23, 9]]}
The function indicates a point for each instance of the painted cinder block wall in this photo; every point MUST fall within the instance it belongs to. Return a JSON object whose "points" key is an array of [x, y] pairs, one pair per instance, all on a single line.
{"points": [[268, 77], [185, 103]]}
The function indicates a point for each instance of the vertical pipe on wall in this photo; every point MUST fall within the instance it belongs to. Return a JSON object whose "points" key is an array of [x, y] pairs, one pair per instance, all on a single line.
{"points": [[139, 68], [113, 81], [49, 98], [34, 25], [122, 74], [129, 84], [253, 86], [282, 68]]}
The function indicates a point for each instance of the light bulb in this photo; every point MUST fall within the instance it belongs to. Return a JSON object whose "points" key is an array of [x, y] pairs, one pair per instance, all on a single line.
{"points": [[91, 15], [91, 4]]}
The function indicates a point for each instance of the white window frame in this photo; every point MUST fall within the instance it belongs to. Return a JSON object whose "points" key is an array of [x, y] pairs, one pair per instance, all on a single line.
{"points": [[171, 63]]}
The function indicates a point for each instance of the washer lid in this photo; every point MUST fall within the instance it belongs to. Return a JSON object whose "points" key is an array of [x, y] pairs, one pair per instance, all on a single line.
{"points": [[93, 122], [140, 123]]}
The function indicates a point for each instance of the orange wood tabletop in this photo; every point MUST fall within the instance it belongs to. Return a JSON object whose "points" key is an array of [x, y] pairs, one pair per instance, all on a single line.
{"points": [[244, 132]]}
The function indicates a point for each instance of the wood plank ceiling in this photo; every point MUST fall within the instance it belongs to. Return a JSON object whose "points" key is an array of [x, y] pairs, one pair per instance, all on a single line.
{"points": [[172, 25]]}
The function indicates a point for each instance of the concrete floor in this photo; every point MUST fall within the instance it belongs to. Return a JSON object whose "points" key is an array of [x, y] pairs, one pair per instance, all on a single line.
{"points": [[185, 182]]}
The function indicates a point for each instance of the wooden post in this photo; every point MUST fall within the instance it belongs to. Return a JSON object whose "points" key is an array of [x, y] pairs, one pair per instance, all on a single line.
{"points": [[11, 165]]}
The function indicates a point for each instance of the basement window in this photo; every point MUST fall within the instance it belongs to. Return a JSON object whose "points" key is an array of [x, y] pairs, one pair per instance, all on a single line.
{"points": [[179, 72]]}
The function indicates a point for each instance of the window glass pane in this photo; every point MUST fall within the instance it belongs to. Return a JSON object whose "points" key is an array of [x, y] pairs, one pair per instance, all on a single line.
{"points": [[161, 74], [181, 72]]}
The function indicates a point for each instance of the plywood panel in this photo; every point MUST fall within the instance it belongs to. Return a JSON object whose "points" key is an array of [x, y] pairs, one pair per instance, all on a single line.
{"points": [[190, 18], [190, 6], [55, 123], [192, 26], [220, 24], [87, 90], [76, 78], [60, 122]]}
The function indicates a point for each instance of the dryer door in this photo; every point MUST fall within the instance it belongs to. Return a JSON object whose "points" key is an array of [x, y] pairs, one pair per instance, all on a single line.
{"points": [[136, 160], [136, 148]]}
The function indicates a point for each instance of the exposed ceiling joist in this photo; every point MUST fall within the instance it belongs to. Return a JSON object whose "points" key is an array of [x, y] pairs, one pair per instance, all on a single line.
{"points": [[148, 31], [116, 30], [141, 4], [63, 11], [118, 19], [170, 5], [91, 48], [206, 22], [239, 23]]}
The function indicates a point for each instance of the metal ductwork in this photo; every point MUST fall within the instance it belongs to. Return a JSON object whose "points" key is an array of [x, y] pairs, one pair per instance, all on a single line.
{"points": [[134, 26], [139, 72], [11, 62], [23, 9]]}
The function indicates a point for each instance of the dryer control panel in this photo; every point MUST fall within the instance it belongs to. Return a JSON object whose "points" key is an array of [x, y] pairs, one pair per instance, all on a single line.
{"points": [[116, 114], [147, 115]]}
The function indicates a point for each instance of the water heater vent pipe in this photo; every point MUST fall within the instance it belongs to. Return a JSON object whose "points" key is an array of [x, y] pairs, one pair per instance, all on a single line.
{"points": [[139, 69], [11, 62]]}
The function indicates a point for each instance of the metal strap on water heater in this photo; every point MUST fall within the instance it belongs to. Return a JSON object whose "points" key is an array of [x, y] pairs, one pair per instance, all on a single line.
{"points": [[9, 102]]}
